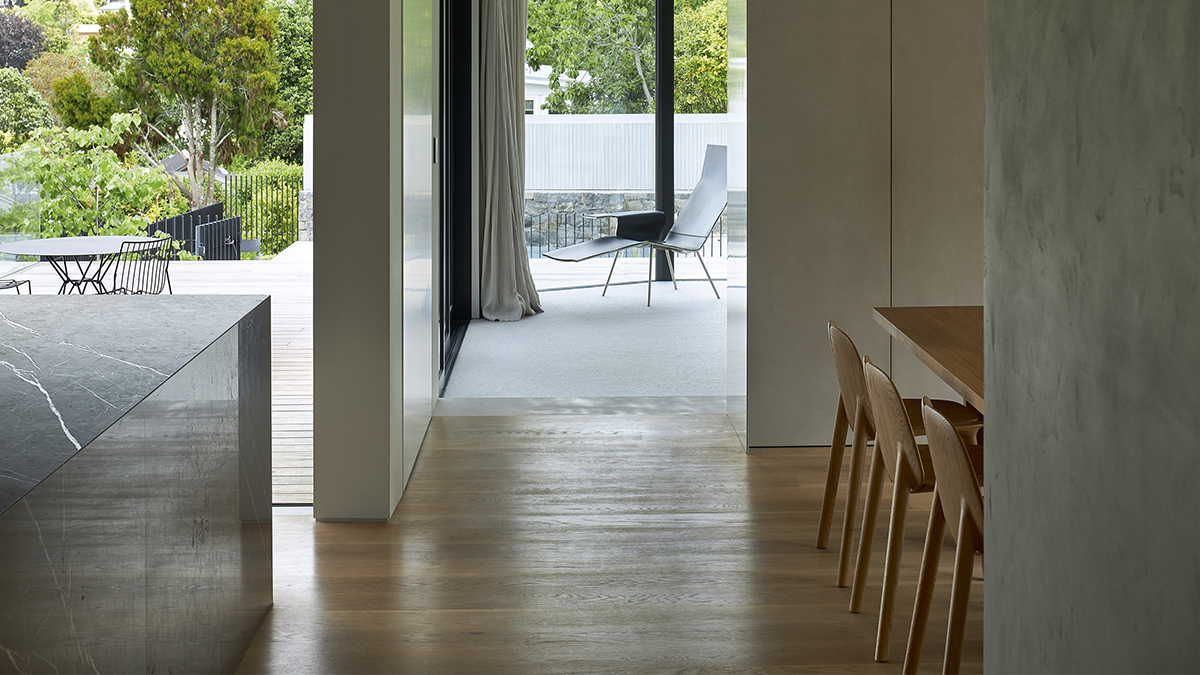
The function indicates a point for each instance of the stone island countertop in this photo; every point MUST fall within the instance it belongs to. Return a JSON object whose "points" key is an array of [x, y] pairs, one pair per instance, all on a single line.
{"points": [[71, 366]]}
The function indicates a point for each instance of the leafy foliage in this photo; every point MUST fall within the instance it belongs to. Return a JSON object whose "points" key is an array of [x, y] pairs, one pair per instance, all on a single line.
{"points": [[45, 69], [59, 18], [294, 50], [85, 187], [205, 66], [611, 40], [77, 105], [21, 40], [21, 109], [701, 64]]}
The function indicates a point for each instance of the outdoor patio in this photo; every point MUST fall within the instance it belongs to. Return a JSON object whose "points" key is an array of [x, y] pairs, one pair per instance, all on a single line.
{"points": [[688, 322]]}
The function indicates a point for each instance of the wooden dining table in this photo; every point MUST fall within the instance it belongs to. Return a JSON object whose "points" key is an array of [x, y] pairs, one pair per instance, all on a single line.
{"points": [[947, 339]]}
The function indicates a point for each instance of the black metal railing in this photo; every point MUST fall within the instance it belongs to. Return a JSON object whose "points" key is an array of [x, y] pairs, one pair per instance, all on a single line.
{"points": [[269, 207], [203, 232], [551, 231]]}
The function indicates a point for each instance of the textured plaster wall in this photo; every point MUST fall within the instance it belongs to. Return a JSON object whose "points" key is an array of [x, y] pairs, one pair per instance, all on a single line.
{"points": [[1092, 249]]}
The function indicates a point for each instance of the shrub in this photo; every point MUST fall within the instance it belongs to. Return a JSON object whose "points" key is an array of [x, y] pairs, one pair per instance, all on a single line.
{"points": [[85, 187], [21, 109]]}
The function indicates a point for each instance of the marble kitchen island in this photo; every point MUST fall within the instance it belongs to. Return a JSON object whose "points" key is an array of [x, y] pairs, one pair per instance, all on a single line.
{"points": [[135, 469]]}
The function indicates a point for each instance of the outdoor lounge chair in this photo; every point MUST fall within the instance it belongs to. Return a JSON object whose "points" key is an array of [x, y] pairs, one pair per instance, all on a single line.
{"points": [[691, 229]]}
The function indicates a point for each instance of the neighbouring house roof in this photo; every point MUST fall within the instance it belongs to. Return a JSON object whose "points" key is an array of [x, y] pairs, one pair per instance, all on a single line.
{"points": [[114, 5], [177, 164]]}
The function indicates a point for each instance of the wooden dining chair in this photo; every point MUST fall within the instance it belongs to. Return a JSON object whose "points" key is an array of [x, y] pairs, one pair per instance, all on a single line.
{"points": [[854, 413], [958, 500], [899, 456]]}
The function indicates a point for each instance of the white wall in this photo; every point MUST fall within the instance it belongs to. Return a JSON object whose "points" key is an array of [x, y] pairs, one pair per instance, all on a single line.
{"points": [[372, 270], [612, 152], [864, 189]]}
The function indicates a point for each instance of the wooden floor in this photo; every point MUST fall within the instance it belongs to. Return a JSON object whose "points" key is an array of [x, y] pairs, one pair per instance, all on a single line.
{"points": [[590, 544]]}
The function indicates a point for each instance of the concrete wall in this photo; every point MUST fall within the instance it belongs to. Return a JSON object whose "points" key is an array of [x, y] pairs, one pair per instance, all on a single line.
{"points": [[1093, 336], [864, 189]]}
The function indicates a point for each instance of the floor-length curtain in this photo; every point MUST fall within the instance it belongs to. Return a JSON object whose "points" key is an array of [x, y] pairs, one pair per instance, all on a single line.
{"points": [[506, 289]]}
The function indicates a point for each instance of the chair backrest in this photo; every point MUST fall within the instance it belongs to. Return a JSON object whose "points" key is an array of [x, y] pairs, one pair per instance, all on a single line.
{"points": [[848, 365], [957, 484], [141, 267], [702, 211], [892, 427]]}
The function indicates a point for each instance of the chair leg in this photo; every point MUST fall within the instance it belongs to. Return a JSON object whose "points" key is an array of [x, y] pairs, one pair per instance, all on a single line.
{"points": [[874, 486], [671, 266], [610, 271], [891, 565], [857, 451], [929, 567], [960, 593], [837, 448], [650, 278], [710, 281]]}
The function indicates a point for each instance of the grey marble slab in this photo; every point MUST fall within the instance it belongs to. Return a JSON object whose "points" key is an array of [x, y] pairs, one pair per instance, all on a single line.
{"points": [[71, 366]]}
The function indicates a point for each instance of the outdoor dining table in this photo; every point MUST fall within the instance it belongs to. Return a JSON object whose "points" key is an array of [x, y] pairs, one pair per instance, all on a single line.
{"points": [[79, 261], [947, 339]]}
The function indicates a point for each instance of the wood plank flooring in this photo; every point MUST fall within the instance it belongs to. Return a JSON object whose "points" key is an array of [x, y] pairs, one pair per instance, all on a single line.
{"points": [[590, 544]]}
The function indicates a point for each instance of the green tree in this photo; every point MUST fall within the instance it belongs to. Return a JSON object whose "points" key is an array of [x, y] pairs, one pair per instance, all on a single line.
{"points": [[59, 18], [85, 187], [45, 69], [293, 49], [701, 64], [611, 40], [22, 110], [79, 106], [205, 65], [21, 40]]}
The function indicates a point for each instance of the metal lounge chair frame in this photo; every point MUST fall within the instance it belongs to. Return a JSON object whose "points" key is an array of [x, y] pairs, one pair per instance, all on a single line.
{"points": [[693, 226]]}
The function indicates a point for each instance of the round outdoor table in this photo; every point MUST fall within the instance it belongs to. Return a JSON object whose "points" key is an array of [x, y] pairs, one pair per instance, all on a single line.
{"points": [[79, 261]]}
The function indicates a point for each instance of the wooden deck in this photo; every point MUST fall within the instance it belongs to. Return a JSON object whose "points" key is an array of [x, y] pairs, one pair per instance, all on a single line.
{"points": [[287, 278]]}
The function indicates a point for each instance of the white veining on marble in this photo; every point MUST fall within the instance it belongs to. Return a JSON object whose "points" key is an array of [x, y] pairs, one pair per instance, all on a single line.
{"points": [[98, 396], [71, 345], [17, 477], [29, 377], [15, 349], [84, 653]]}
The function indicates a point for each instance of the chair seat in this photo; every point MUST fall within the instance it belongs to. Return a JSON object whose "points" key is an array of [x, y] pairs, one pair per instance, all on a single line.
{"points": [[958, 414], [6, 284], [592, 249]]}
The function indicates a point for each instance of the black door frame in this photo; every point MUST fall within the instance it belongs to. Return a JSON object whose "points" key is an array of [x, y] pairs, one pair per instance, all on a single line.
{"points": [[455, 172]]}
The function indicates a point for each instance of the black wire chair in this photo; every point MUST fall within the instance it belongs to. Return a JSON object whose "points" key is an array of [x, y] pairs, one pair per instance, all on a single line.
{"points": [[6, 284], [141, 268]]}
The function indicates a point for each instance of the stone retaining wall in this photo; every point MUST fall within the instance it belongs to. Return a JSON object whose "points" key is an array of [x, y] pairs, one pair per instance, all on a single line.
{"points": [[306, 215]]}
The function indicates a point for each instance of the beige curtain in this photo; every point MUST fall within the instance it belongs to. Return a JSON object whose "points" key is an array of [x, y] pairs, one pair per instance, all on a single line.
{"points": [[506, 287]]}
